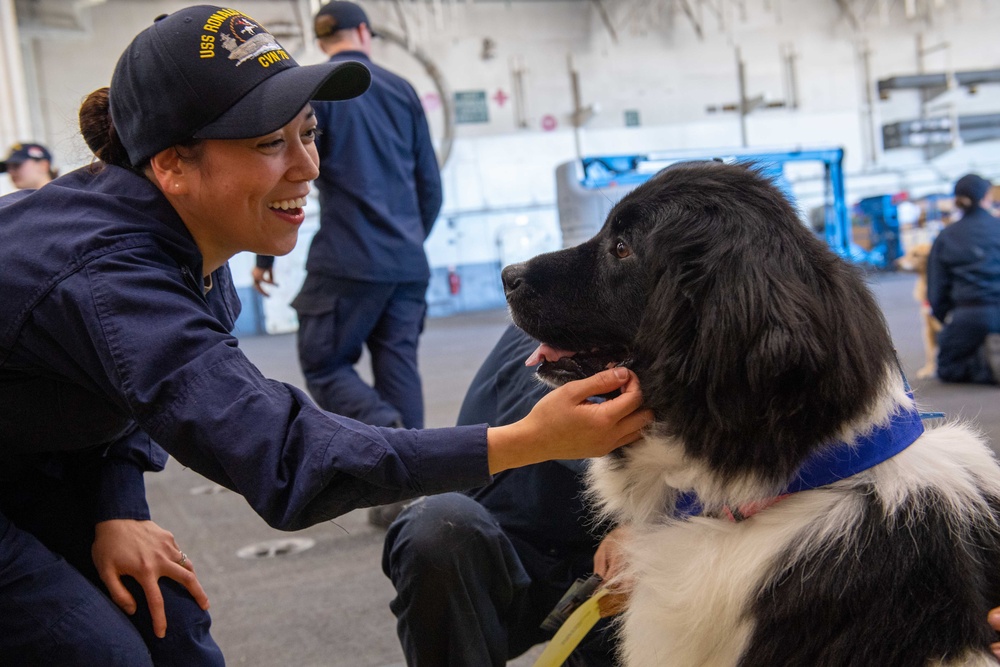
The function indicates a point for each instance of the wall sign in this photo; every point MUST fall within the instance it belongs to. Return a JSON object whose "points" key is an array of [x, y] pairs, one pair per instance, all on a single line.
{"points": [[631, 118], [470, 107]]}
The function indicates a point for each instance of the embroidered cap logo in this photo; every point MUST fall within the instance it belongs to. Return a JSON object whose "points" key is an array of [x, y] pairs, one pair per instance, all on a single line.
{"points": [[244, 38]]}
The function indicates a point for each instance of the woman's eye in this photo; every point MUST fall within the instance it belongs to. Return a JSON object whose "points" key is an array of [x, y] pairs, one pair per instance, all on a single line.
{"points": [[272, 144], [622, 250], [312, 134]]}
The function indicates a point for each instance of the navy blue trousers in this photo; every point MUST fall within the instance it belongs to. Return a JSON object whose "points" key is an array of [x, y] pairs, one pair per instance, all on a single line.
{"points": [[960, 354], [54, 609], [388, 319], [468, 594]]}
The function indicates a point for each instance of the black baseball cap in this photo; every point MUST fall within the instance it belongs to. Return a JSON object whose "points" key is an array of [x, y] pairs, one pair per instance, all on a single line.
{"points": [[339, 15], [21, 153], [208, 72], [972, 186]]}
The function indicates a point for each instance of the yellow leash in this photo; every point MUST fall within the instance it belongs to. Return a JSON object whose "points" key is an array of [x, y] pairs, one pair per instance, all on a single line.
{"points": [[572, 632]]}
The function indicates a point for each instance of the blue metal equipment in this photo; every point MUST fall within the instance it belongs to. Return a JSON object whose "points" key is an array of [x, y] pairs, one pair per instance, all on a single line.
{"points": [[586, 189], [883, 224]]}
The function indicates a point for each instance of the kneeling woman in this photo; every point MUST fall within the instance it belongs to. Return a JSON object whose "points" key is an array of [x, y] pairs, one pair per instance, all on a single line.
{"points": [[115, 350]]}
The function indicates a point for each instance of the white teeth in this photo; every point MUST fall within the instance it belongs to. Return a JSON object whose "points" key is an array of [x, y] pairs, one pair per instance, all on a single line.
{"points": [[286, 204]]}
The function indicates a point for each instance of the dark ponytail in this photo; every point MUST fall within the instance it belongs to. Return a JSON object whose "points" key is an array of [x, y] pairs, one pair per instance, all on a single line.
{"points": [[98, 130], [965, 203], [970, 190]]}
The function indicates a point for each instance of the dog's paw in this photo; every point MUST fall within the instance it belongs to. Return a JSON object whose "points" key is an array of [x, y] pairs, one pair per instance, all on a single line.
{"points": [[926, 372]]}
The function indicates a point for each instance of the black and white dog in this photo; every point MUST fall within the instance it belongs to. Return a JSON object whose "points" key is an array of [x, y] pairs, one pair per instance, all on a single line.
{"points": [[788, 507]]}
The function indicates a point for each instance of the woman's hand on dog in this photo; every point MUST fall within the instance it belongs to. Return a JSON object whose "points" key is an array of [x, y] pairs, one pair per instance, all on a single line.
{"points": [[565, 425], [609, 563], [994, 621], [609, 559]]}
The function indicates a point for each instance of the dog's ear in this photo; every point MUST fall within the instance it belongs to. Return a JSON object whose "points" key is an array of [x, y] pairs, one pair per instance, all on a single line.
{"points": [[734, 339]]}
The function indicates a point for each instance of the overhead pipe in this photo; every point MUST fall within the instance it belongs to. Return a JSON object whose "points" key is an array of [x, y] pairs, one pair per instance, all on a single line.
{"points": [[865, 54], [605, 19], [517, 71], [967, 79]]}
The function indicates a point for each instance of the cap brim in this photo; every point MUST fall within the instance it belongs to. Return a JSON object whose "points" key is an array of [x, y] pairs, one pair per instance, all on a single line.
{"points": [[7, 164], [274, 102]]}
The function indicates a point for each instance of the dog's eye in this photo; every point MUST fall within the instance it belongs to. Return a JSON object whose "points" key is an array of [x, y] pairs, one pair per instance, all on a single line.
{"points": [[622, 250]]}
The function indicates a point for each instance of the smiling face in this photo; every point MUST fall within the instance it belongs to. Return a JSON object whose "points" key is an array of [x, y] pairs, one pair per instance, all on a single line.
{"points": [[239, 195]]}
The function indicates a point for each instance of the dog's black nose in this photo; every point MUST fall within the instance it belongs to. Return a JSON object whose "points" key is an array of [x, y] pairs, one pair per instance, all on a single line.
{"points": [[511, 277]]}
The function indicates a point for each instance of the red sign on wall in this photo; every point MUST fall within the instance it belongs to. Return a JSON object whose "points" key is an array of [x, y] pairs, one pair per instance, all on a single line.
{"points": [[431, 101]]}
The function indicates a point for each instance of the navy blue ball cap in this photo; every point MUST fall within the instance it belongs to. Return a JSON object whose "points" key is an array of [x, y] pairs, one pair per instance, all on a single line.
{"points": [[21, 153], [339, 15], [208, 72], [972, 186]]}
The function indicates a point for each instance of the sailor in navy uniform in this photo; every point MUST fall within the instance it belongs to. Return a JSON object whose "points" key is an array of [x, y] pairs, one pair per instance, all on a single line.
{"points": [[115, 350]]}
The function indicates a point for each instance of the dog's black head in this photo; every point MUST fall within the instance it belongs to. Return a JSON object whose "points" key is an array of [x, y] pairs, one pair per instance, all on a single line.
{"points": [[753, 342]]}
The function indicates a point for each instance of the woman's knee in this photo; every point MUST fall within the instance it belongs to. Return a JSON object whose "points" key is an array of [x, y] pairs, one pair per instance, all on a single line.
{"points": [[188, 641], [50, 614], [95, 634]]}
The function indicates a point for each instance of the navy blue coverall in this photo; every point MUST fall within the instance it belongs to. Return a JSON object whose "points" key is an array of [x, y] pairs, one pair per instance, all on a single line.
{"points": [[476, 574], [963, 288], [113, 354], [366, 271]]}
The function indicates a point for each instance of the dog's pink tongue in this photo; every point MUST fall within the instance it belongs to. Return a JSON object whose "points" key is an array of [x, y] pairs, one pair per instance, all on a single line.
{"points": [[546, 352]]}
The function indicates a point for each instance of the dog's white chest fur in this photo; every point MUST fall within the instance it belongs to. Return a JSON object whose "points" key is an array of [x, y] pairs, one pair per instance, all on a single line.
{"points": [[695, 580]]}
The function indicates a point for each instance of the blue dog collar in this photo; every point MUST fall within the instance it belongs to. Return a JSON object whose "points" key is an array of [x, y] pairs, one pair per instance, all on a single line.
{"points": [[839, 461], [842, 460]]}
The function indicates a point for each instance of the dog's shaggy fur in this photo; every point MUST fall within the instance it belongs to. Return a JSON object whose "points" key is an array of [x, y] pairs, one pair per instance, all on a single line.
{"points": [[757, 347]]}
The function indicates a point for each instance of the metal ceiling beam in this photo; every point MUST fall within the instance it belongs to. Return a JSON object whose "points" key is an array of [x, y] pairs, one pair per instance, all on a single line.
{"points": [[603, 13], [686, 7], [969, 78]]}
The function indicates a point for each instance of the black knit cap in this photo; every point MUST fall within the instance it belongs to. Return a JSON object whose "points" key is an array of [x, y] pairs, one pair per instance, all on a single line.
{"points": [[339, 15], [206, 72], [972, 186]]}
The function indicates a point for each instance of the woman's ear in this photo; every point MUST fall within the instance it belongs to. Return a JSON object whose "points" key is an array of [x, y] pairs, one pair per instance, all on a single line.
{"points": [[169, 172]]}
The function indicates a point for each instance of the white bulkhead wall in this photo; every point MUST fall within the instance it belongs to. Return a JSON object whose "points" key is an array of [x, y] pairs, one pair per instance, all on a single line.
{"points": [[635, 60]]}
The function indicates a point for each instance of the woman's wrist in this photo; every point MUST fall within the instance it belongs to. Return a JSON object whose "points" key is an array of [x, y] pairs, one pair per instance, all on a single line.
{"points": [[509, 447]]}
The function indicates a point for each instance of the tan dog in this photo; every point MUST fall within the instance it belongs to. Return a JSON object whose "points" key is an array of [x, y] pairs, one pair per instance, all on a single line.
{"points": [[915, 259]]}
